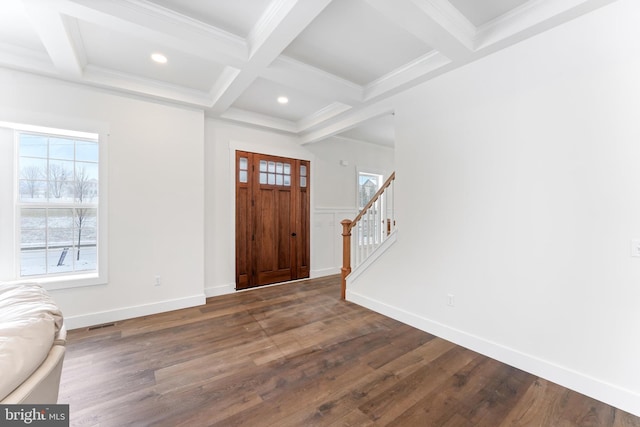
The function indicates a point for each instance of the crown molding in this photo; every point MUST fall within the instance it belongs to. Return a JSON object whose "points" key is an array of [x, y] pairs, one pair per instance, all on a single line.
{"points": [[451, 19], [306, 78], [399, 78], [75, 38], [146, 20], [347, 121], [322, 116], [362, 141], [192, 23], [267, 23], [24, 59], [531, 18], [260, 120], [59, 40], [116, 80]]}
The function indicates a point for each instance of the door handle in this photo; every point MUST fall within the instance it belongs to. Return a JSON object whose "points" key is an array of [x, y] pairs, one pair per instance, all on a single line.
{"points": [[293, 234]]}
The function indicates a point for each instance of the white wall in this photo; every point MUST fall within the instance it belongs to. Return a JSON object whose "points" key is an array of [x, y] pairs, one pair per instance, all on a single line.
{"points": [[155, 194], [168, 213], [333, 189], [336, 193], [518, 192], [7, 160]]}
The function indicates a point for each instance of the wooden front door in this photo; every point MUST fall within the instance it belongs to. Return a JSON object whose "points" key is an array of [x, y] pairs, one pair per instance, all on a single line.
{"points": [[272, 219]]}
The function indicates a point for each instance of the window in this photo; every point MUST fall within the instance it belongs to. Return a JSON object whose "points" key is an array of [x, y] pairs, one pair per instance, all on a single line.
{"points": [[274, 173], [58, 219], [57, 204], [368, 185]]}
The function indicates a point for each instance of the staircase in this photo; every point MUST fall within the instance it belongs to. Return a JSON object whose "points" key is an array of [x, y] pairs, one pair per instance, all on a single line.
{"points": [[369, 229]]}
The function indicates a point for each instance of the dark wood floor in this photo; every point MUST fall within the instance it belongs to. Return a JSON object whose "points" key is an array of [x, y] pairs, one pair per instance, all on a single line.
{"points": [[295, 355]]}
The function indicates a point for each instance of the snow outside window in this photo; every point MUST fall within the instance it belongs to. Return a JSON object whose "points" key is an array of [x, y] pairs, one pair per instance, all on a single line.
{"points": [[58, 219], [57, 204]]}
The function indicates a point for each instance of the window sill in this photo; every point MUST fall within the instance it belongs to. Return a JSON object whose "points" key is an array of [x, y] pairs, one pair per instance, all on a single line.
{"points": [[65, 282]]}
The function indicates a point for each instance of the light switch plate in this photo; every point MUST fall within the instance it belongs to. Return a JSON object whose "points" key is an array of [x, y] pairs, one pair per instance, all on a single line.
{"points": [[635, 247]]}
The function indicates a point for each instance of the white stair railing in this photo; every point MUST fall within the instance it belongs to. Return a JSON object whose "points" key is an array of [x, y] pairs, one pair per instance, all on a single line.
{"points": [[370, 228]]}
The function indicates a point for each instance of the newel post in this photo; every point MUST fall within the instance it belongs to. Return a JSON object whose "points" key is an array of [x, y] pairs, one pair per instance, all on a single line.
{"points": [[346, 254]]}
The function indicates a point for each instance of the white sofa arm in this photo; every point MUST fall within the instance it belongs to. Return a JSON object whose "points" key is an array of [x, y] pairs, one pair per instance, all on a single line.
{"points": [[42, 386]]}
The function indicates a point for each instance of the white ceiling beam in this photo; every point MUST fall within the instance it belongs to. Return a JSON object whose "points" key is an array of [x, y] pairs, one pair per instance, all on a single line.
{"points": [[222, 83], [148, 21], [532, 18], [59, 35], [406, 76], [281, 23], [348, 121], [125, 82], [21, 58], [435, 22], [304, 124]]}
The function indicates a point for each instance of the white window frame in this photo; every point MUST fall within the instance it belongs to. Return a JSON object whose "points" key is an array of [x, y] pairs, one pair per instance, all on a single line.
{"points": [[360, 172], [71, 279]]}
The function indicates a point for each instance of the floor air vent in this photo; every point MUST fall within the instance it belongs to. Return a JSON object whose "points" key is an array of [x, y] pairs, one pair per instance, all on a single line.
{"points": [[105, 325]]}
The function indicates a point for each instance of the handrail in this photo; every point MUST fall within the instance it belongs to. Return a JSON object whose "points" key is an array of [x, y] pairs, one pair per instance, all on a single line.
{"points": [[378, 227], [375, 197]]}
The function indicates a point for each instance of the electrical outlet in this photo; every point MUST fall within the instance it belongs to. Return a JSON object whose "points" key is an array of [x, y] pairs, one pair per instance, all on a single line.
{"points": [[157, 281], [451, 300]]}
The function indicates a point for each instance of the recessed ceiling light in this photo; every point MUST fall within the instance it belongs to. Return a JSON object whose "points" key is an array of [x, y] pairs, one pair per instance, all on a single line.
{"points": [[159, 58], [283, 99]]}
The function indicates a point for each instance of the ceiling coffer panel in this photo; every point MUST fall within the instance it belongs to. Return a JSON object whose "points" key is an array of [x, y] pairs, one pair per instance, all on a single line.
{"points": [[237, 17], [262, 97], [103, 49], [481, 12], [352, 40], [339, 62]]}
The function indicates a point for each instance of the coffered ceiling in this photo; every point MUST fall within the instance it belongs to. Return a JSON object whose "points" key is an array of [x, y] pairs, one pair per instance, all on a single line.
{"points": [[337, 61]]}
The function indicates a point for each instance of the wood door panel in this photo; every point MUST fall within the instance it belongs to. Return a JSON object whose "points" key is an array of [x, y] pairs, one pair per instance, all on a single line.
{"points": [[284, 230], [270, 230], [303, 255], [272, 220], [243, 239], [276, 276], [243, 227], [273, 249]]}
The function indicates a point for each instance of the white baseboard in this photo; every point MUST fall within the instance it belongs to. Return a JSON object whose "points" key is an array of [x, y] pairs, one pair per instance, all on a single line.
{"points": [[216, 291], [324, 272], [610, 394], [98, 318], [230, 288]]}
